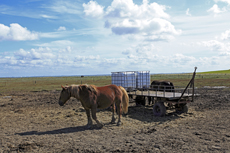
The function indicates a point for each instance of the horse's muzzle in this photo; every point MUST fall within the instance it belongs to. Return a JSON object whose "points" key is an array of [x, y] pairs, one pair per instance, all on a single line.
{"points": [[61, 103]]}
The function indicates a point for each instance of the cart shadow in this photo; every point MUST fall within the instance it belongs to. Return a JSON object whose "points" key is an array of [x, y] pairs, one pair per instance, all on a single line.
{"points": [[58, 131], [145, 114]]}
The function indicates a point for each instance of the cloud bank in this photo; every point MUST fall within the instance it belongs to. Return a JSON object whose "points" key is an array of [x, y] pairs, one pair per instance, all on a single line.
{"points": [[120, 36], [16, 32], [149, 20]]}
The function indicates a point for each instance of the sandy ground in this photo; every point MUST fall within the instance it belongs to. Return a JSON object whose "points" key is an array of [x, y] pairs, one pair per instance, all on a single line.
{"points": [[34, 122]]}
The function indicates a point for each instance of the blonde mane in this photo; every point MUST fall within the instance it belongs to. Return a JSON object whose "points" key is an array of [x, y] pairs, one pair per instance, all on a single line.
{"points": [[92, 88], [74, 89]]}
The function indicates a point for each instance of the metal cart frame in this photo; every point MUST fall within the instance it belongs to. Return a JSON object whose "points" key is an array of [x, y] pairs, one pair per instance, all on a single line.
{"points": [[165, 99]]}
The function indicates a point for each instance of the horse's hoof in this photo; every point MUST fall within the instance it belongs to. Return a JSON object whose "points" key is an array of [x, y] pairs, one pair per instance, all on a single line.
{"points": [[119, 123], [113, 122], [89, 126], [100, 126]]}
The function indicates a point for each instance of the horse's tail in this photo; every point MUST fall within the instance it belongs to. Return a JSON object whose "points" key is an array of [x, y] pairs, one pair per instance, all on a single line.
{"points": [[125, 100]]}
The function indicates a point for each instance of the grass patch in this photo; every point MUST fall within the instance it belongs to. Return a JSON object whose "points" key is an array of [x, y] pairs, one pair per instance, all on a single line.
{"points": [[8, 85], [48, 83], [216, 72], [201, 79]]}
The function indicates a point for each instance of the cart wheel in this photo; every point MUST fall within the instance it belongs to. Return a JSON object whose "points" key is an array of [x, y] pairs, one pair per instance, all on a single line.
{"points": [[159, 109], [182, 109]]}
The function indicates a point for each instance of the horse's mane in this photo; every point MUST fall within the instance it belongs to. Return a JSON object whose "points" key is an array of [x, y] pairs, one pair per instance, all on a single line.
{"points": [[75, 89], [91, 88]]}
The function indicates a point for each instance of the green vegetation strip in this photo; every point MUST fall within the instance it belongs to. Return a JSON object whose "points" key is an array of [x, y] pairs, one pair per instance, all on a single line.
{"points": [[48, 83], [216, 72], [34, 84]]}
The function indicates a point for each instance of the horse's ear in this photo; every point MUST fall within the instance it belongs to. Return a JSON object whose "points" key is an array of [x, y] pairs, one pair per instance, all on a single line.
{"points": [[62, 87]]}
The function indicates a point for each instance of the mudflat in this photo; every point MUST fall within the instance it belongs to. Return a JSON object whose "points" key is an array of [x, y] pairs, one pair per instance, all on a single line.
{"points": [[34, 122]]}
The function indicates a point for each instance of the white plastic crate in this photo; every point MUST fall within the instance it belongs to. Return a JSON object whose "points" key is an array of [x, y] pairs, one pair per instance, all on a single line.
{"points": [[131, 80], [124, 79], [143, 79]]}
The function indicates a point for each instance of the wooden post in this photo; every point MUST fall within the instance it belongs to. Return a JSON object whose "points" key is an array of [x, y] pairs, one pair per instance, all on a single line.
{"points": [[190, 83], [193, 86]]}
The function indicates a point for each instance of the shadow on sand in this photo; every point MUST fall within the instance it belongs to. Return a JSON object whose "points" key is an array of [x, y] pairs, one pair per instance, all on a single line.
{"points": [[145, 114], [142, 113], [59, 131]]}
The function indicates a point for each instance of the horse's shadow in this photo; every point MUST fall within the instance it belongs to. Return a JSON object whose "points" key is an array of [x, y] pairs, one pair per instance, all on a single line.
{"points": [[145, 114], [142, 113], [59, 131]]}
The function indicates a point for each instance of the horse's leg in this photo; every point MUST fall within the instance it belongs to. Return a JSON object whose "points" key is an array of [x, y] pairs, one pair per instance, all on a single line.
{"points": [[113, 112], [94, 110], [119, 110], [89, 118]]}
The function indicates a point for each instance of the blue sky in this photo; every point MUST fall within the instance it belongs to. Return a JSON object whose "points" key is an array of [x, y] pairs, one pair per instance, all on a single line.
{"points": [[79, 37]]}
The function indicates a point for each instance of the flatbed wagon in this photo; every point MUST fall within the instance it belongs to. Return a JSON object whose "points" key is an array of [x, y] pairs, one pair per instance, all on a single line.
{"points": [[137, 85]]}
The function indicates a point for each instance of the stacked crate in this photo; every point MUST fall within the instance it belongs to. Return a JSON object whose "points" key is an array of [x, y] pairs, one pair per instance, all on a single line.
{"points": [[143, 79], [131, 80], [124, 79]]}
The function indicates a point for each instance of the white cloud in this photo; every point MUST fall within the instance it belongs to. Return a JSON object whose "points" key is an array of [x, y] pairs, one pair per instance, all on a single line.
{"points": [[68, 49], [187, 12], [93, 9], [127, 9], [16, 32], [144, 50], [48, 57], [182, 60], [139, 57], [225, 54], [61, 28], [145, 55], [66, 6], [4, 8], [35, 54], [153, 26], [214, 44], [147, 21], [217, 45], [220, 45], [86, 58], [226, 1], [48, 16], [225, 35], [39, 57], [216, 10], [57, 43]]}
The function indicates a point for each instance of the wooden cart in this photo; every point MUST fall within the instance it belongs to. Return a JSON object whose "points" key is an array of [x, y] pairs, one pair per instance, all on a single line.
{"points": [[177, 98], [162, 97]]}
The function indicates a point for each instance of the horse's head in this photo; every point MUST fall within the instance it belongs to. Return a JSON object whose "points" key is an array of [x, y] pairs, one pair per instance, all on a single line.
{"points": [[64, 96]]}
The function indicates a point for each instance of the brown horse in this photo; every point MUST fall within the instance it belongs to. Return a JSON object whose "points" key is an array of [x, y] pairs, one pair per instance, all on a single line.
{"points": [[92, 97]]}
